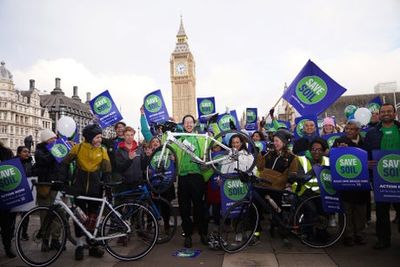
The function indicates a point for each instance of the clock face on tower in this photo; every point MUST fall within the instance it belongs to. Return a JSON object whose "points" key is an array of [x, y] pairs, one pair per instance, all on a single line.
{"points": [[180, 68]]}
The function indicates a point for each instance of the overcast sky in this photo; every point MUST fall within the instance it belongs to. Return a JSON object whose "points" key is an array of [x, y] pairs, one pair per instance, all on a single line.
{"points": [[244, 50]]}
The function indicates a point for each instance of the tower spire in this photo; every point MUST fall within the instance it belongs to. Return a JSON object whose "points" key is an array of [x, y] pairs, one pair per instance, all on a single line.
{"points": [[181, 40]]}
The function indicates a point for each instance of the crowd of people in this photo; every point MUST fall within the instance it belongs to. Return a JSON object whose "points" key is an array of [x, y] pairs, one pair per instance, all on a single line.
{"points": [[124, 159]]}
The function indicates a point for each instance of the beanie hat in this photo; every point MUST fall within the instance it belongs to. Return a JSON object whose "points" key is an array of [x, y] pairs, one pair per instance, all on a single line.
{"points": [[46, 134], [283, 135], [328, 121], [90, 131]]}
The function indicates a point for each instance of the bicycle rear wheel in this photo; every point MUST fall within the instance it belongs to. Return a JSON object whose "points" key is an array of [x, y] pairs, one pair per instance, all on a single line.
{"points": [[316, 228], [167, 221], [137, 243], [238, 225], [44, 228], [231, 156], [161, 172]]}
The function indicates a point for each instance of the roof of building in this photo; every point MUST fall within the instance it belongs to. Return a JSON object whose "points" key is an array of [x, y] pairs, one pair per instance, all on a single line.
{"points": [[53, 102], [5, 74]]}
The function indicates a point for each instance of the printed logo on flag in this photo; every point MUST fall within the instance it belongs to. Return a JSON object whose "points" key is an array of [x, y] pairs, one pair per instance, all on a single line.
{"points": [[234, 189], [102, 105], [206, 107], [326, 181], [311, 90], [10, 177], [389, 168], [59, 150], [153, 103], [251, 116], [348, 166], [224, 122]]}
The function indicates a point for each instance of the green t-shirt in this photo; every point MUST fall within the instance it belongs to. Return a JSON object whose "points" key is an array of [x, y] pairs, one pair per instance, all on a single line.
{"points": [[391, 138]]}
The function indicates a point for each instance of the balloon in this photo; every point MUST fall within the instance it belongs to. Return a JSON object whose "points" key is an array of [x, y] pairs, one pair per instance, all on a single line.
{"points": [[363, 115], [66, 126], [349, 110]]}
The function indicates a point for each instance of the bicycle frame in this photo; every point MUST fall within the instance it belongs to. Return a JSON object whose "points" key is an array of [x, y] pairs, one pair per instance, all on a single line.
{"points": [[104, 203], [171, 139]]}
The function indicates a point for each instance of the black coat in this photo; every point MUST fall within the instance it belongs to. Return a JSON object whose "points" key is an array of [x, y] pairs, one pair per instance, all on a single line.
{"points": [[130, 171], [46, 167]]}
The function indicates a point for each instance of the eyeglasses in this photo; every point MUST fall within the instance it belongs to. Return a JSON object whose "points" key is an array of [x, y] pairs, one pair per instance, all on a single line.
{"points": [[316, 150]]}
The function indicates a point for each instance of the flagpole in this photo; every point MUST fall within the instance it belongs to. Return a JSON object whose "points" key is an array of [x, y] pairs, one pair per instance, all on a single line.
{"points": [[277, 102]]}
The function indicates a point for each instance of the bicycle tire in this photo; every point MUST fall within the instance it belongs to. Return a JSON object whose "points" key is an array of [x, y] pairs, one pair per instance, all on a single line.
{"points": [[222, 137], [318, 233], [238, 226], [37, 230], [161, 178], [167, 233], [135, 244]]}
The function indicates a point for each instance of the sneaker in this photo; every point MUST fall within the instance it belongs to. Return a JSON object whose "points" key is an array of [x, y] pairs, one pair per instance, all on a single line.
{"points": [[188, 242], [96, 252], [238, 237], [45, 246], [332, 221], [24, 237], [10, 253], [79, 253]]}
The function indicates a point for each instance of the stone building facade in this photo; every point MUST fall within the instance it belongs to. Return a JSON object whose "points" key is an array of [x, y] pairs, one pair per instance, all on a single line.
{"points": [[21, 114]]}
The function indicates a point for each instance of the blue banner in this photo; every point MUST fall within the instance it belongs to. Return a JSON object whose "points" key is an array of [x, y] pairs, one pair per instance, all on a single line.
{"points": [[349, 167], [154, 108], [375, 104], [312, 91], [14, 186], [59, 149], [330, 138], [105, 110], [232, 190], [162, 176], [329, 196], [386, 175], [224, 121], [298, 131], [205, 106], [251, 119]]}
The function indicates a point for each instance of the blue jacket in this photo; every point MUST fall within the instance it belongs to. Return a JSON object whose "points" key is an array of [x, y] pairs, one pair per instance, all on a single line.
{"points": [[373, 138]]}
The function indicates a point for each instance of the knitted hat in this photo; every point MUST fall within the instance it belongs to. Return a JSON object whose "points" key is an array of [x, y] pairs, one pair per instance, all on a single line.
{"points": [[46, 134], [283, 135], [328, 121], [90, 132]]}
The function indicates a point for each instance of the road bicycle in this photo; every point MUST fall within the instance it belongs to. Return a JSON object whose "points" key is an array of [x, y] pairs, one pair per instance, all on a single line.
{"points": [[128, 232], [159, 206], [161, 170], [303, 217]]}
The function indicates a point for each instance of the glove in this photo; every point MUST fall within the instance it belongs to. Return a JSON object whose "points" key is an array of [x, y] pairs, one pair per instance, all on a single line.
{"points": [[271, 112]]}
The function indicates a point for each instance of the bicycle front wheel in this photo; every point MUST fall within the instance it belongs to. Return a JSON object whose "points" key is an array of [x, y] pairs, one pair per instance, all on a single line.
{"points": [[135, 231], [227, 156], [316, 228], [238, 226], [161, 171], [40, 236]]}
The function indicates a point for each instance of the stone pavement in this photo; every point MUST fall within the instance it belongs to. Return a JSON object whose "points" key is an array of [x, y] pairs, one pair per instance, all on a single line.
{"points": [[270, 252]]}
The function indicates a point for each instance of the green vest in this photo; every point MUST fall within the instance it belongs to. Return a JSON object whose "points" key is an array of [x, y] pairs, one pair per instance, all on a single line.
{"points": [[313, 182]]}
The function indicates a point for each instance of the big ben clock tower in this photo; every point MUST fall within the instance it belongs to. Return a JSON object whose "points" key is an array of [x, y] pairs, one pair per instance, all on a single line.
{"points": [[183, 78]]}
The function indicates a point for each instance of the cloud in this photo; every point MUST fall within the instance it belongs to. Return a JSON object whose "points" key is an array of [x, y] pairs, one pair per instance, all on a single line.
{"points": [[126, 89]]}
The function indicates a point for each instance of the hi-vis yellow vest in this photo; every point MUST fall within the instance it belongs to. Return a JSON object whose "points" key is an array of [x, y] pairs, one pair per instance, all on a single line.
{"points": [[313, 182]]}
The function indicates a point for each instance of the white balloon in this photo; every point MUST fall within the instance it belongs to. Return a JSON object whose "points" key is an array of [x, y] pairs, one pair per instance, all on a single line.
{"points": [[363, 115], [66, 126]]}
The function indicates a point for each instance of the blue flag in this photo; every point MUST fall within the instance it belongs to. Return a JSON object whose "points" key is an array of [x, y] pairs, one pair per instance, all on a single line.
{"points": [[312, 91], [224, 121], [205, 106], [14, 186], [105, 110], [386, 175], [59, 149], [154, 107], [329, 196], [349, 167], [330, 138], [251, 119], [375, 104]]}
